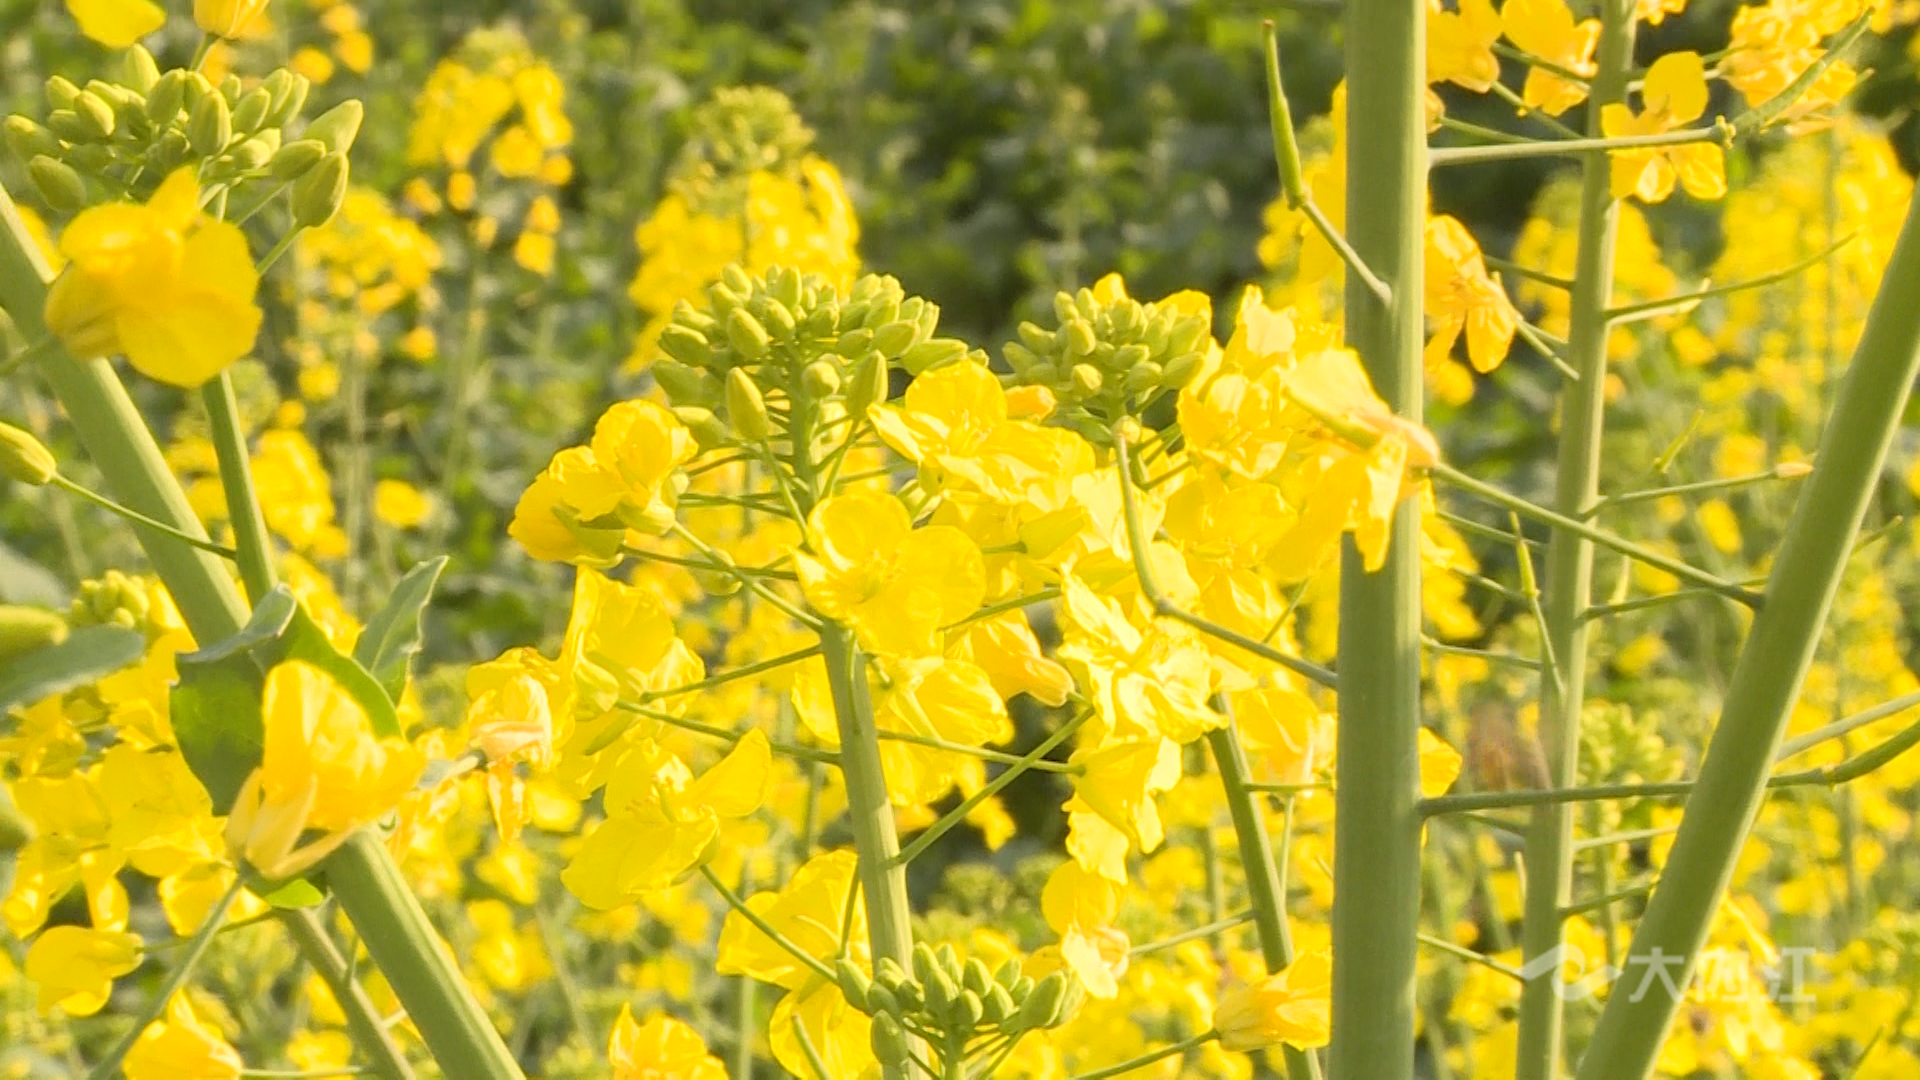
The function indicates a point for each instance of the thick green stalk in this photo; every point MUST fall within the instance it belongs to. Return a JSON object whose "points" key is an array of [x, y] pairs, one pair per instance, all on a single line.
{"points": [[1549, 846], [121, 445], [1376, 866], [1772, 667], [422, 972], [883, 879], [1265, 888]]}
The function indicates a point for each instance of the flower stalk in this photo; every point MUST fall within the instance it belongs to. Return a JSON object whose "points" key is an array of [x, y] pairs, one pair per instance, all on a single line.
{"points": [[1377, 825]]}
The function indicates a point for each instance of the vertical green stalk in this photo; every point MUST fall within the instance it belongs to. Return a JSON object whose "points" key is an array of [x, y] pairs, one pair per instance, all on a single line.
{"points": [[1549, 842], [876, 839], [408, 951], [1376, 867], [136, 472], [236, 480], [1772, 668], [1265, 889]]}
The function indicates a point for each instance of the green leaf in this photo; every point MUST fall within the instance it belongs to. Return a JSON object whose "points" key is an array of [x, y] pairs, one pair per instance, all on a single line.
{"points": [[23, 581], [86, 655], [392, 637], [298, 893], [216, 706]]}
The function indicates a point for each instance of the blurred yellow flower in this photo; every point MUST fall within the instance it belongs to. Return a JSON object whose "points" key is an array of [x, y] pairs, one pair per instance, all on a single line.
{"points": [[74, 967], [117, 23], [660, 1049], [1293, 1006]]}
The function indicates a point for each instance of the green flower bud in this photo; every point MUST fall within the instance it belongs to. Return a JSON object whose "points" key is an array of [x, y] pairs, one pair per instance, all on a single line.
{"points": [[854, 342], [318, 193], [997, 1005], [942, 991], [166, 97], [820, 379], [1142, 376], [685, 345], [1007, 973], [92, 159], [746, 335], [24, 458], [968, 1010], [231, 88], [896, 337], [1080, 338], [822, 319], [889, 973], [933, 353], [29, 140], [889, 1039], [854, 983], [338, 126], [682, 383], [295, 158], [1042, 1006], [735, 278], [784, 284], [1181, 370], [138, 70], [948, 958], [778, 318], [57, 183], [881, 1000], [745, 405], [1019, 357], [869, 385], [1086, 380], [910, 310], [1187, 335], [210, 125], [1063, 309], [707, 429], [974, 975], [1020, 988], [924, 962], [1040, 341], [251, 112], [61, 92], [67, 125], [169, 152], [289, 95], [24, 630]]}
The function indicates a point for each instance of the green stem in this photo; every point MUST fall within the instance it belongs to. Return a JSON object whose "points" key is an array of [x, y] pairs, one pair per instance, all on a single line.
{"points": [[1204, 931], [1773, 664], [1548, 855], [1007, 776], [1376, 828], [139, 518], [1266, 888], [177, 978], [369, 1033], [236, 479], [419, 967], [1692, 488], [1157, 1054]]}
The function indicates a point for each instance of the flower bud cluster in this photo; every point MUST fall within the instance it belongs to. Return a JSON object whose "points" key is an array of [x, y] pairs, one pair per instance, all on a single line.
{"points": [[124, 136], [741, 131], [949, 1003], [1110, 355], [736, 366], [115, 599]]}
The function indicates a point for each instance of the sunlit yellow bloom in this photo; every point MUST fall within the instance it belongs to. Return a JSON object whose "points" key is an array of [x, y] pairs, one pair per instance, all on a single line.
{"points": [[1546, 28], [172, 291], [1293, 1006], [1460, 44], [74, 967], [809, 911], [117, 23], [400, 504], [182, 1047], [660, 1049], [1463, 297], [1675, 93], [893, 584], [231, 18]]}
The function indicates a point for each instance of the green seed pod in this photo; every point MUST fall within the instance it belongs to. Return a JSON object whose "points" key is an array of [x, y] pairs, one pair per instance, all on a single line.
{"points": [[210, 125], [707, 429], [1142, 376], [777, 318], [24, 458], [746, 408], [1087, 380], [820, 379], [1080, 339], [57, 183], [997, 1005], [687, 346], [25, 629], [29, 140], [854, 983], [933, 353], [869, 384], [318, 193], [1180, 371], [889, 1039], [250, 114], [338, 126], [896, 337], [289, 94], [166, 97], [746, 335], [295, 158]]}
